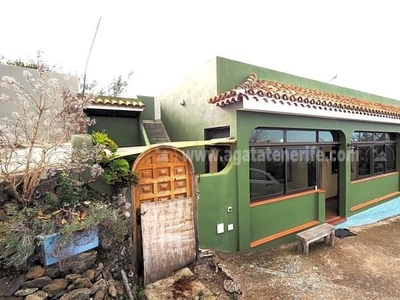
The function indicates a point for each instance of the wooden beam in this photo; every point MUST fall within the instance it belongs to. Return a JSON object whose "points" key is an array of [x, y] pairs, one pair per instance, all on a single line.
{"points": [[283, 233]]}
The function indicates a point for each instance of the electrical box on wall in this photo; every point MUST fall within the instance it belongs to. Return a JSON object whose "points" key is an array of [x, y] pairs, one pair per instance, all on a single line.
{"points": [[230, 227], [220, 228]]}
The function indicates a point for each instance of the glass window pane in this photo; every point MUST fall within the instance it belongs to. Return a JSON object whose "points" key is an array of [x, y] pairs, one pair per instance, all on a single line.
{"points": [[379, 136], [261, 135], [267, 173], [301, 169], [364, 160], [355, 137], [390, 151], [301, 136], [379, 159], [365, 136], [325, 136]]}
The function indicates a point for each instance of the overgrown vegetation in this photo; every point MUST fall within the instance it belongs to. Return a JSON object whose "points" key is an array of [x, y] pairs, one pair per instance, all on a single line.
{"points": [[114, 172], [67, 212], [46, 115]]}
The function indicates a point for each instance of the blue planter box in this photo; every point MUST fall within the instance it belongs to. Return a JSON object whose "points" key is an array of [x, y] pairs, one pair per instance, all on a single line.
{"points": [[80, 242]]}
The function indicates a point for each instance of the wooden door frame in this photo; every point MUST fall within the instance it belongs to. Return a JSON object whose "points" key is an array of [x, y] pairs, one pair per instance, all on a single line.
{"points": [[136, 236]]}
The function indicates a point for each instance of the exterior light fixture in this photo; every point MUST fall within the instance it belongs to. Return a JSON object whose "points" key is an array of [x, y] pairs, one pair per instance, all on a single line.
{"points": [[183, 102]]}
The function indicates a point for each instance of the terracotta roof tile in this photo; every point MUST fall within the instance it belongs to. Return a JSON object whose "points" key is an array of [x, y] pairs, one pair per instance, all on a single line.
{"points": [[266, 90], [118, 102]]}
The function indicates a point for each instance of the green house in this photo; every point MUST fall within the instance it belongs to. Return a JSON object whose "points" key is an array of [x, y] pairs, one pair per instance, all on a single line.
{"points": [[307, 152]]}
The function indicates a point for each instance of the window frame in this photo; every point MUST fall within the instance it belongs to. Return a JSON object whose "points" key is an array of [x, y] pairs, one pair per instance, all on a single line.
{"points": [[286, 146], [388, 142]]}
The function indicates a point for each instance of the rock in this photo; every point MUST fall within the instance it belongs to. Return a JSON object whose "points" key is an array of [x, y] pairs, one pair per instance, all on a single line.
{"points": [[231, 287], [35, 272], [80, 283], [83, 261], [53, 272], [56, 286], [89, 274], [39, 295], [79, 294], [99, 295], [99, 285], [72, 277], [37, 283], [25, 292], [98, 270], [112, 291], [120, 288], [10, 208], [127, 214], [3, 215], [107, 275], [10, 285]]}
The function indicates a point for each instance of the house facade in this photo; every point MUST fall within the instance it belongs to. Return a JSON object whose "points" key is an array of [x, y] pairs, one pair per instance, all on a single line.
{"points": [[307, 152]]}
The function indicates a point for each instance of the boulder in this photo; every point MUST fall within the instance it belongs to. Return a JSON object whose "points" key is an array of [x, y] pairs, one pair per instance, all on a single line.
{"points": [[56, 286], [25, 292], [39, 295], [80, 263], [80, 283], [89, 274], [99, 285], [35, 272], [37, 283], [10, 285], [78, 294]]}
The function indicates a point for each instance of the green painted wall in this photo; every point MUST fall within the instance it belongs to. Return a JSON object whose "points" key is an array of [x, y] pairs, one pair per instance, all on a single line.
{"points": [[278, 216], [231, 186], [364, 191], [124, 131], [232, 73], [149, 111], [248, 121], [217, 193], [187, 123]]}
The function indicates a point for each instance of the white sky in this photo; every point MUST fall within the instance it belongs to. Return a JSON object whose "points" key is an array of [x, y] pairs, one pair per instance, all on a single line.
{"points": [[164, 41]]}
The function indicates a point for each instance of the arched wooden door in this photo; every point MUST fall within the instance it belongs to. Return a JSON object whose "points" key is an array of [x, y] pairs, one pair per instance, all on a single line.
{"points": [[164, 205]]}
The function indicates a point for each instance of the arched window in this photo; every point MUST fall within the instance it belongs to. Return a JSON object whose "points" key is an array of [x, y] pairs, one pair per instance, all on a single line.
{"points": [[373, 153]]}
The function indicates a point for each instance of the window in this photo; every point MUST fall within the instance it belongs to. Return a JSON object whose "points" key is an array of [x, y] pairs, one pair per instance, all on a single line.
{"points": [[283, 161], [375, 153]]}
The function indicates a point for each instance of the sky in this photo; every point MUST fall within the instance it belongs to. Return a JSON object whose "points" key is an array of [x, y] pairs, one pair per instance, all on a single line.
{"points": [[164, 41]]}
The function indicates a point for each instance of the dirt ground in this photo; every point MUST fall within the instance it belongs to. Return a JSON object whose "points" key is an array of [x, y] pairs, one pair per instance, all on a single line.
{"points": [[366, 266]]}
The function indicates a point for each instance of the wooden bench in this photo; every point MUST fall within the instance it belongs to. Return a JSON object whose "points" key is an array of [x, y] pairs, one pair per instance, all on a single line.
{"points": [[305, 238]]}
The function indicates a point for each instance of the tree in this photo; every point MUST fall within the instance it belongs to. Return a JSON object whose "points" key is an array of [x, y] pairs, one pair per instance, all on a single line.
{"points": [[45, 118]]}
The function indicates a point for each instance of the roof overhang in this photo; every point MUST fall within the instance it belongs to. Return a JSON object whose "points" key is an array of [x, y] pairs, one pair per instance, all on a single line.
{"points": [[128, 151], [114, 107], [271, 105]]}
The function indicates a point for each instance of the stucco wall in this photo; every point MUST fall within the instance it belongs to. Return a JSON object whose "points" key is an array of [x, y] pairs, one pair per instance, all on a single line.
{"points": [[70, 82], [123, 130]]}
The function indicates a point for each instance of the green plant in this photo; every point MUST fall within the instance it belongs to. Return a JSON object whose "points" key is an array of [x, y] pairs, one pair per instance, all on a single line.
{"points": [[101, 138], [118, 174], [68, 194]]}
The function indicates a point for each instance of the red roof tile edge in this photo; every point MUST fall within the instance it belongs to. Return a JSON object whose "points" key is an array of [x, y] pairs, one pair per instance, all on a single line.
{"points": [[265, 90]]}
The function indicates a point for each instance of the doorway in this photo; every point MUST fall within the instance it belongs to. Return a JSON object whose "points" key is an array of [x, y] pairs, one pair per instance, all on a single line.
{"points": [[329, 181]]}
